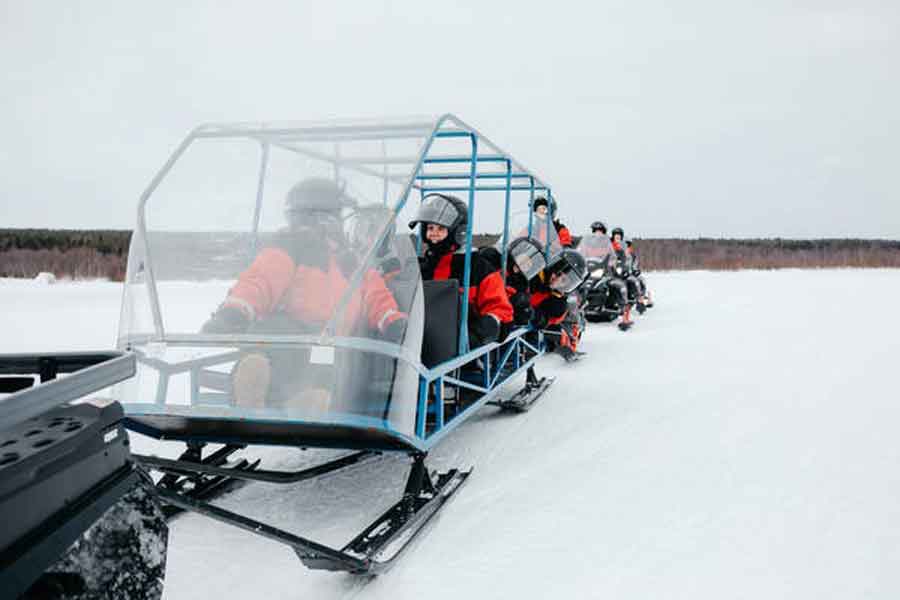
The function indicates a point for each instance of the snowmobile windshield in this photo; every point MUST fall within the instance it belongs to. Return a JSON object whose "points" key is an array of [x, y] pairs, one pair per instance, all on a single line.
{"points": [[598, 251], [256, 291]]}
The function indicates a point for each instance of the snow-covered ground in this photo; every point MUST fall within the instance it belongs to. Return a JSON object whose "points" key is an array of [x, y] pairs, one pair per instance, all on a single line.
{"points": [[740, 442]]}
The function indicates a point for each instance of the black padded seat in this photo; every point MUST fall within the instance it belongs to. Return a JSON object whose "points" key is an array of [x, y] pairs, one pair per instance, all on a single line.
{"points": [[440, 340]]}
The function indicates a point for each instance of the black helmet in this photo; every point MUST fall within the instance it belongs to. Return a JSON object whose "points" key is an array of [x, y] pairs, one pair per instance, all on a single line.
{"points": [[570, 269], [446, 210], [541, 201], [528, 255], [628, 243], [619, 231], [316, 202], [598, 226]]}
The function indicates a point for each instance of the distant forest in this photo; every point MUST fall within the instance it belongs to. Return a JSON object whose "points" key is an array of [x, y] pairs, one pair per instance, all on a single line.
{"points": [[89, 254]]}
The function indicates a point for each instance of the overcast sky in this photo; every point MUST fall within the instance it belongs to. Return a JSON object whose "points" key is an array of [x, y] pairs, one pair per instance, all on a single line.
{"points": [[757, 118]]}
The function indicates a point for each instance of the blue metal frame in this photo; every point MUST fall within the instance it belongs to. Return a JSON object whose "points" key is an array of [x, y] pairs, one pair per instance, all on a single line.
{"points": [[501, 361]]}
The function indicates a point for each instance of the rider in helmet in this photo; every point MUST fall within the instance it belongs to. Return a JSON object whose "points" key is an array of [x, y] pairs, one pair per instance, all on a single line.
{"points": [[442, 220], [549, 298], [295, 285], [643, 292], [526, 261], [304, 280], [623, 274], [541, 207]]}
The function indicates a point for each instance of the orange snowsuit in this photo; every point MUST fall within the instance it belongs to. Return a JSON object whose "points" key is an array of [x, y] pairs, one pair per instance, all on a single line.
{"points": [[274, 282]]}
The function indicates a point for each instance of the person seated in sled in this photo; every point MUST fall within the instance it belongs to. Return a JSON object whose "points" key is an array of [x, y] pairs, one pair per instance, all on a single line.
{"points": [[549, 297], [541, 208], [442, 220], [294, 286]]}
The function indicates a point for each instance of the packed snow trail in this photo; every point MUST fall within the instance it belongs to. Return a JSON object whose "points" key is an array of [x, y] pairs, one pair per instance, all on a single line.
{"points": [[739, 442]]}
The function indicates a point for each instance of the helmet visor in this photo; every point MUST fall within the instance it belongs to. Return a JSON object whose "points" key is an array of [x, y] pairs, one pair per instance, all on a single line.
{"points": [[565, 281], [437, 209], [528, 257]]}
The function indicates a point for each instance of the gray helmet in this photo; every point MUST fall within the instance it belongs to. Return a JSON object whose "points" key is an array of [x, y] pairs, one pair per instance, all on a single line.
{"points": [[446, 210]]}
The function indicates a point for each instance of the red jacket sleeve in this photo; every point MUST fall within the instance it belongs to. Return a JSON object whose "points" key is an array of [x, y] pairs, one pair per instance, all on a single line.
{"points": [[380, 305], [565, 238], [491, 298], [261, 287]]}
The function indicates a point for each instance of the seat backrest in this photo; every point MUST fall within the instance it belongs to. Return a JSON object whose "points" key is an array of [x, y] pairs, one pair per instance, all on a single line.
{"points": [[441, 336]]}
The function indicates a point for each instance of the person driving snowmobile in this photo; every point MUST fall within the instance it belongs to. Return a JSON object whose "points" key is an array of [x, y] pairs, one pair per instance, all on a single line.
{"points": [[442, 220], [541, 207]]}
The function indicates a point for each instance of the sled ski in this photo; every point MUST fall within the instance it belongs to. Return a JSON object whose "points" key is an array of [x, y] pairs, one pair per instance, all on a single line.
{"points": [[522, 400], [372, 551], [570, 355]]}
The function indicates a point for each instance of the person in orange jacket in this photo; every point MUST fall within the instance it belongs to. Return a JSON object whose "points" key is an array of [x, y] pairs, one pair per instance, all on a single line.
{"points": [[298, 284], [304, 281], [541, 207], [443, 219]]}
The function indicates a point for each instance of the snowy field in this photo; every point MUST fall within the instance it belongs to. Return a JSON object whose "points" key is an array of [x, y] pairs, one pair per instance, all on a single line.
{"points": [[740, 442]]}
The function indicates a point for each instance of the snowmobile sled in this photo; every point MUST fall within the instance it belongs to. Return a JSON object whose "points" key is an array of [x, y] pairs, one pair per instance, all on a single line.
{"points": [[273, 297]]}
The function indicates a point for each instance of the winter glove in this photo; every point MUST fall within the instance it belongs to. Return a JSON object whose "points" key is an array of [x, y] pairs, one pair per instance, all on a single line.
{"points": [[227, 319], [522, 311], [395, 331], [483, 329], [540, 320]]}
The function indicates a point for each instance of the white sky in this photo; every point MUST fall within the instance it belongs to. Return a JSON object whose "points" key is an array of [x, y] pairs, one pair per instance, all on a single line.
{"points": [[707, 118]]}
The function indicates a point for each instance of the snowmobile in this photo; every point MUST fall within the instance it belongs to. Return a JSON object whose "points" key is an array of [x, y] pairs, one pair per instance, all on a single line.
{"points": [[381, 362], [603, 303], [81, 519]]}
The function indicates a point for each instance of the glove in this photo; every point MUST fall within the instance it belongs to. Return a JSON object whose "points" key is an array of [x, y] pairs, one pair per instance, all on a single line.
{"points": [[522, 311], [540, 320], [483, 329], [395, 331], [227, 319]]}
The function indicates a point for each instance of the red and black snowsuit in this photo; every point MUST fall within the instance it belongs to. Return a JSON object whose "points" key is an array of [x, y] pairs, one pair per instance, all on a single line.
{"points": [[487, 295]]}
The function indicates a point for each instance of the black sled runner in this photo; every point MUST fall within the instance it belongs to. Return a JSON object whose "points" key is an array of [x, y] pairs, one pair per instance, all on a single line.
{"points": [[523, 400]]}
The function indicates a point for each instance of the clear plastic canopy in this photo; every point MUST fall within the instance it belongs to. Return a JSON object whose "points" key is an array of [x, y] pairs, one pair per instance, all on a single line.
{"points": [[240, 306]]}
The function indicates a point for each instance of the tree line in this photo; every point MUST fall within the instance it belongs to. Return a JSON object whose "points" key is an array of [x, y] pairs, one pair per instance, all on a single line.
{"points": [[89, 254]]}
